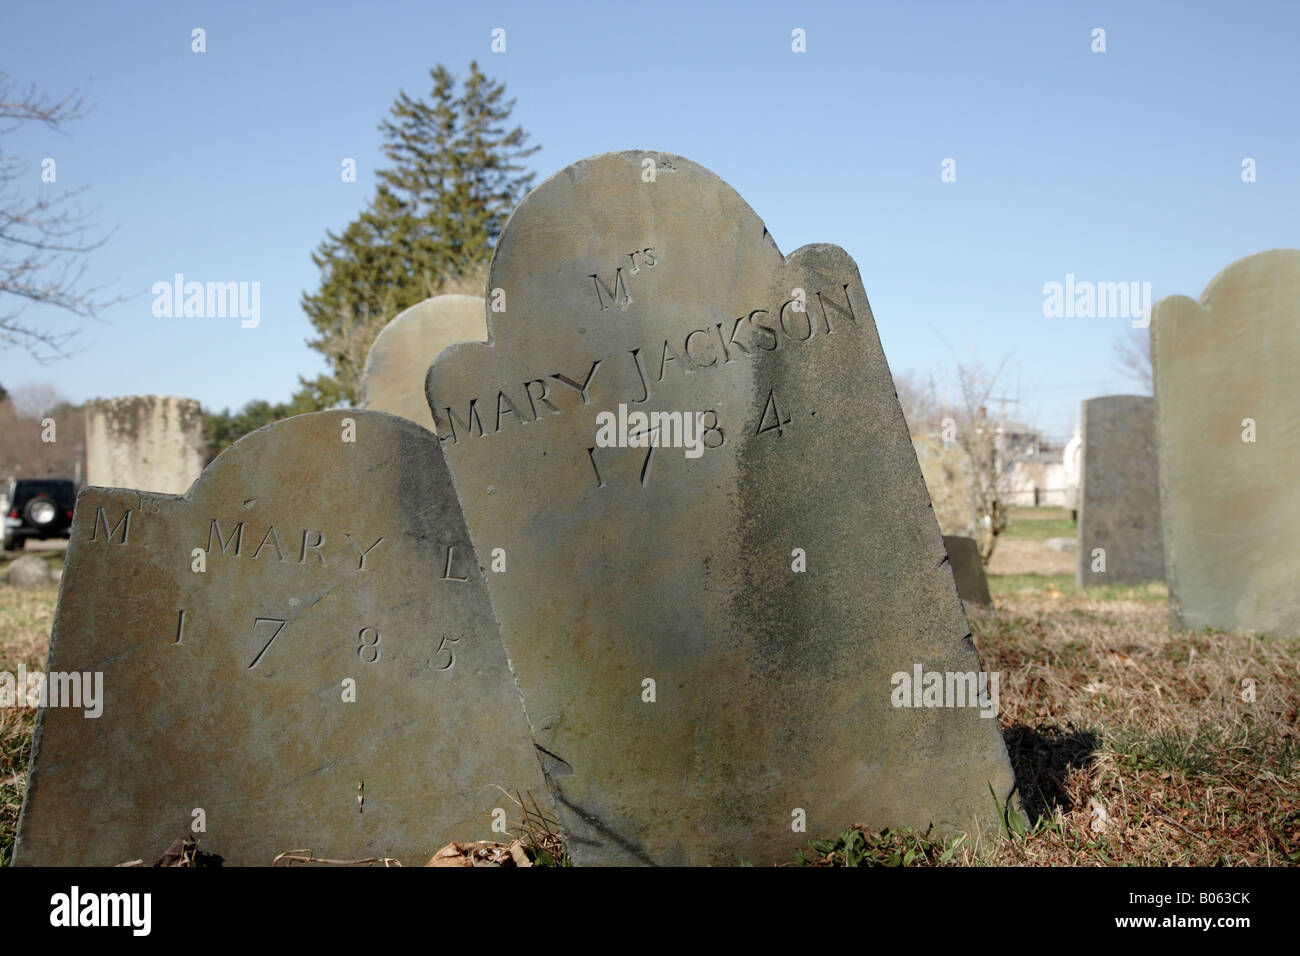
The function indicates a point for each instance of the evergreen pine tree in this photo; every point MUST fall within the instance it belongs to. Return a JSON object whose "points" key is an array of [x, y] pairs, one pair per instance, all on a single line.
{"points": [[456, 174]]}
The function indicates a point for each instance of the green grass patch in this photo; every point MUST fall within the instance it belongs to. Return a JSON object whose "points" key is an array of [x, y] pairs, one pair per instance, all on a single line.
{"points": [[1039, 524], [1208, 752], [1009, 584], [860, 846]]}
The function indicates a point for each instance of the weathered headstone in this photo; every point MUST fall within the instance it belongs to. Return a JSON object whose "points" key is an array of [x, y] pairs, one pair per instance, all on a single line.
{"points": [[393, 379], [950, 478], [1119, 494], [706, 635], [298, 653], [144, 442], [968, 570], [1228, 434], [29, 571]]}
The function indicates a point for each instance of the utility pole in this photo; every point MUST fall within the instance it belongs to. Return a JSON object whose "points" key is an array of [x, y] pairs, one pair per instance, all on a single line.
{"points": [[1002, 417]]}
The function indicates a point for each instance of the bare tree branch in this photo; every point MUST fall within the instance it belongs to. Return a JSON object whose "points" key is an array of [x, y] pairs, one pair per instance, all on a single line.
{"points": [[1132, 349], [969, 420], [33, 105], [44, 238]]}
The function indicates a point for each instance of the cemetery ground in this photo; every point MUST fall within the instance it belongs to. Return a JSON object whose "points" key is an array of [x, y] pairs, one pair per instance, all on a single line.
{"points": [[1132, 743]]}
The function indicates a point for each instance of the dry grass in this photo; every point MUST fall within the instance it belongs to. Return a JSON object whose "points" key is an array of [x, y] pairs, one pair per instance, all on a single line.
{"points": [[1132, 743], [25, 621], [1021, 556]]}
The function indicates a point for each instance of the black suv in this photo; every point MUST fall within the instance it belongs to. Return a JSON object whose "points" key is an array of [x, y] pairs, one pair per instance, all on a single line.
{"points": [[38, 508]]}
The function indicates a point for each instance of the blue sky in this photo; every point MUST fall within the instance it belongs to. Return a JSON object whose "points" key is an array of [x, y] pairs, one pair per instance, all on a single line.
{"points": [[1115, 166]]}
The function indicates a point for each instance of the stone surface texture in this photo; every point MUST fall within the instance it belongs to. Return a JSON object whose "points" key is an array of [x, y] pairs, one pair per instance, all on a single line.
{"points": [[1230, 509], [29, 571], [144, 442], [771, 691], [1119, 493], [968, 570], [399, 358], [224, 689]]}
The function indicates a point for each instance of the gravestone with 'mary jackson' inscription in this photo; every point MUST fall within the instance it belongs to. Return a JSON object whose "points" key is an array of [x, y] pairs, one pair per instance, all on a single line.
{"points": [[1228, 436], [393, 378], [298, 653], [1119, 493], [719, 546]]}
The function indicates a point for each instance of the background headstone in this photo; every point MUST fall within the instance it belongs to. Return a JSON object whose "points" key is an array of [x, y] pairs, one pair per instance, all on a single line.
{"points": [[694, 691], [1119, 493], [968, 569], [399, 358], [225, 690], [1228, 432], [144, 442], [29, 571], [950, 478]]}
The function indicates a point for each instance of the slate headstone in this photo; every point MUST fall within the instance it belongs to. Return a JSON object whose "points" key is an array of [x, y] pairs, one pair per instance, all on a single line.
{"points": [[697, 696], [399, 358], [1228, 433], [1119, 494], [968, 570], [332, 679]]}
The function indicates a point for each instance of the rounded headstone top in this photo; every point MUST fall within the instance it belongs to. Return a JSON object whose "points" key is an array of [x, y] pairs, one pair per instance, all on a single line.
{"points": [[1233, 277], [393, 378]]}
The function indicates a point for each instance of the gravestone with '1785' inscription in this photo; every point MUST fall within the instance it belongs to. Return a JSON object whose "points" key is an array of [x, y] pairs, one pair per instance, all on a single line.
{"points": [[1228, 435], [719, 548], [298, 653]]}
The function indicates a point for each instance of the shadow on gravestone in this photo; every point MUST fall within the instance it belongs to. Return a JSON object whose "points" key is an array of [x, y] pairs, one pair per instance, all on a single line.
{"points": [[331, 679], [1227, 432], [707, 636], [1119, 494], [968, 570], [399, 358]]}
